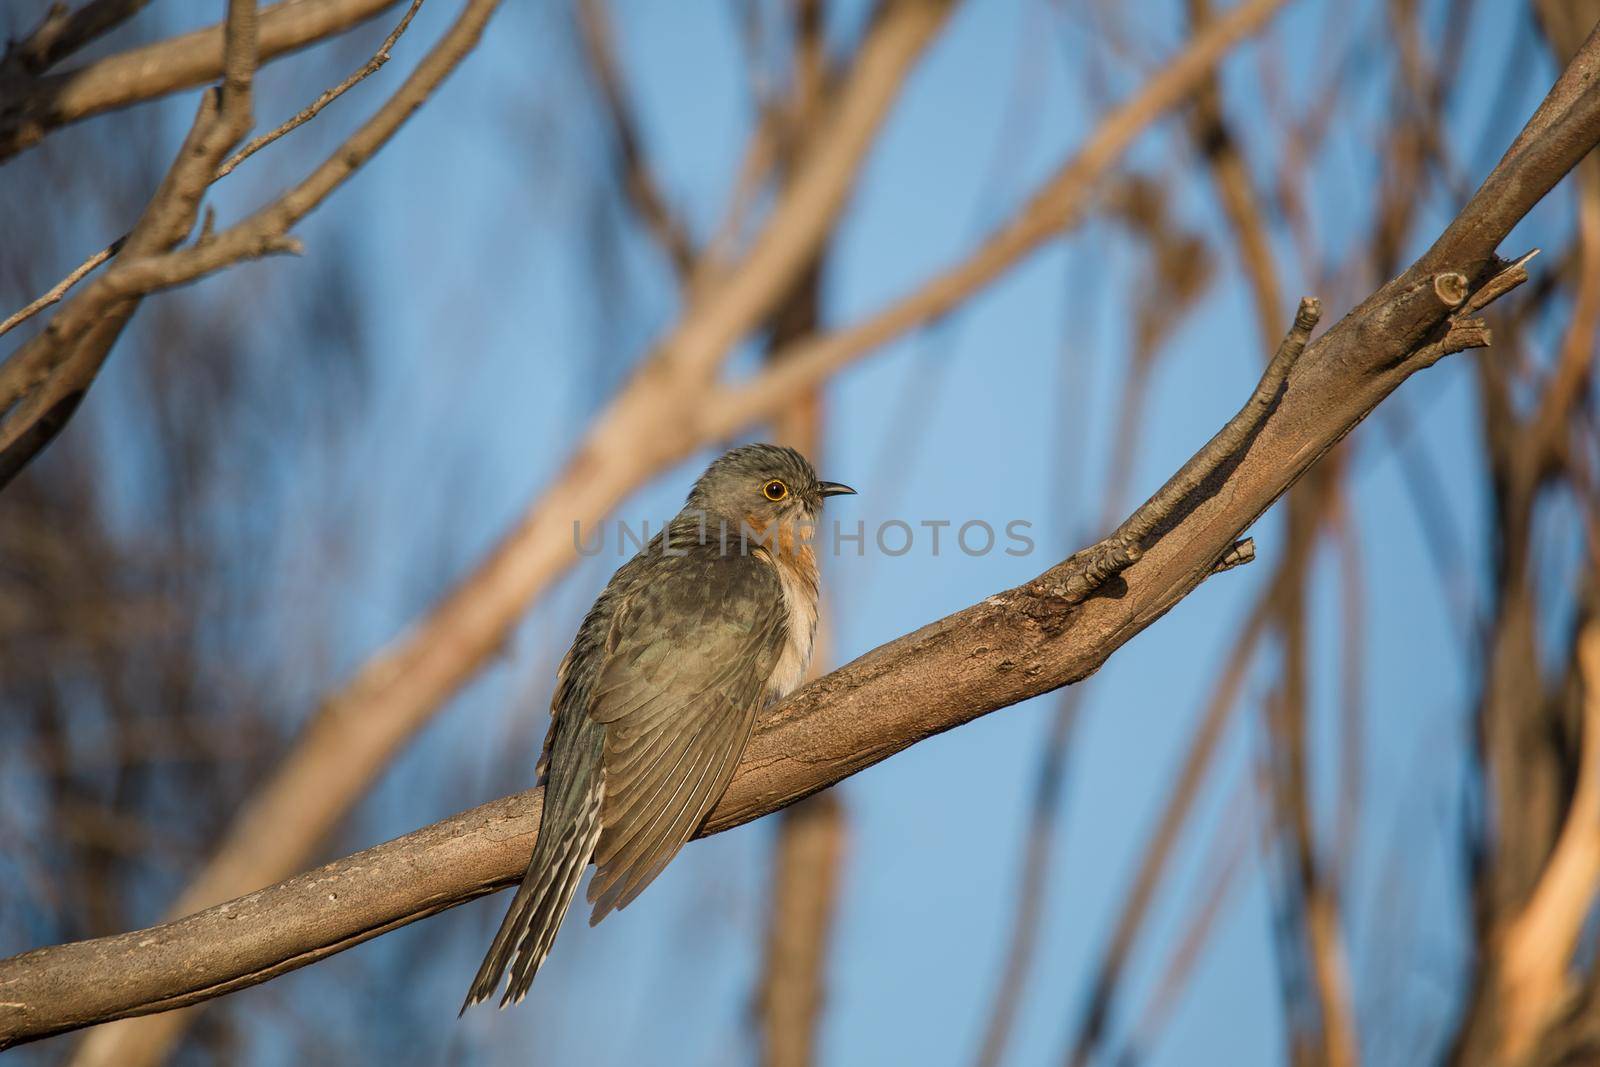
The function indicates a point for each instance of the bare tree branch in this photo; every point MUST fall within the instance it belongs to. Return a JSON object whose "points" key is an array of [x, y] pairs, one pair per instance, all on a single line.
{"points": [[1230, 173], [42, 383], [1324, 1026], [1230, 849], [256, 144], [1056, 207], [1537, 945], [37, 395], [1037, 852], [31, 108], [57, 291], [1089, 1031], [808, 857], [311, 110], [806, 874]]}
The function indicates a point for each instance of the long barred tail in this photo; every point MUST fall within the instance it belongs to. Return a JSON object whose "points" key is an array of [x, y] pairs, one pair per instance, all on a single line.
{"points": [[544, 896]]}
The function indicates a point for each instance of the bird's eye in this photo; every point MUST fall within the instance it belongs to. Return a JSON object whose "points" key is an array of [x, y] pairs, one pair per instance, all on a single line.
{"points": [[775, 490]]}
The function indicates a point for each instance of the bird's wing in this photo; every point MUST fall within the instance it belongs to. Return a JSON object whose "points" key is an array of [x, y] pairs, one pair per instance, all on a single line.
{"points": [[558, 696], [688, 662]]}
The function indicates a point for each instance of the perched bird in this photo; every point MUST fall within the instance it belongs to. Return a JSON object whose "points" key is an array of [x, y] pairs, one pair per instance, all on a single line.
{"points": [[654, 701]]}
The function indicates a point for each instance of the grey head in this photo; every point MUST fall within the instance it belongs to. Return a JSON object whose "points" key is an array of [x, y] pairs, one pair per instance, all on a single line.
{"points": [[761, 484]]}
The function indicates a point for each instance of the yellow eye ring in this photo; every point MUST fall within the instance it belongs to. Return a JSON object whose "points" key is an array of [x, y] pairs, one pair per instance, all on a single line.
{"points": [[775, 490]]}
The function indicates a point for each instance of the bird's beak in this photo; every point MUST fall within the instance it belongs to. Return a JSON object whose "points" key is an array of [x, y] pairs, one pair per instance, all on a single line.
{"points": [[834, 489]]}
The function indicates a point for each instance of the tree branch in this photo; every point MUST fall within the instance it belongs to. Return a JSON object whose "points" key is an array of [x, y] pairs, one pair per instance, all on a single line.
{"points": [[807, 870], [39, 389], [54, 294], [256, 144], [1535, 948], [809, 853], [42, 383], [328, 96], [31, 109]]}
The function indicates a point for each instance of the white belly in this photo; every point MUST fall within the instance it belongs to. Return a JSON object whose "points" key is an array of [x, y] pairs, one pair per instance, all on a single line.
{"points": [[800, 597]]}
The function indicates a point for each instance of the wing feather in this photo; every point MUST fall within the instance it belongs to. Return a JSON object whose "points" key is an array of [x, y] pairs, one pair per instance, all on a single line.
{"points": [[651, 857], [691, 655], [678, 800], [659, 772]]}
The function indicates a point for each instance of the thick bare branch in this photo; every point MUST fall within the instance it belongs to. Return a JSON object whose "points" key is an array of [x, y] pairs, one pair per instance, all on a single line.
{"points": [[808, 857], [1309, 930]]}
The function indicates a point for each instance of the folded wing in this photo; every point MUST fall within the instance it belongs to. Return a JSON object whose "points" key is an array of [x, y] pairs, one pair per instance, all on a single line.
{"points": [[687, 669]]}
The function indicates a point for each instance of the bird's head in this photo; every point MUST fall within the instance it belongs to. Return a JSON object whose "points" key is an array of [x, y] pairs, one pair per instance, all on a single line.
{"points": [[759, 485]]}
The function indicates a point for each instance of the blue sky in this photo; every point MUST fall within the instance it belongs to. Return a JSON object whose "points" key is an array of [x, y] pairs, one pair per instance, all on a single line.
{"points": [[471, 235]]}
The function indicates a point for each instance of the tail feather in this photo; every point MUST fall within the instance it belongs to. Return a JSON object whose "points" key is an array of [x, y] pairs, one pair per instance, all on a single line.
{"points": [[542, 900], [553, 904]]}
